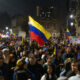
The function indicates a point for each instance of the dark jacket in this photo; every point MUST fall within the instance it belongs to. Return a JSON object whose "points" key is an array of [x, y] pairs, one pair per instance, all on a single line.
{"points": [[37, 69], [70, 73], [11, 71], [4, 71], [22, 75]]}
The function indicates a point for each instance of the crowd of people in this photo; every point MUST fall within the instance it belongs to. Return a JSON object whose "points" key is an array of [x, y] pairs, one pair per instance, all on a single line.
{"points": [[56, 60]]}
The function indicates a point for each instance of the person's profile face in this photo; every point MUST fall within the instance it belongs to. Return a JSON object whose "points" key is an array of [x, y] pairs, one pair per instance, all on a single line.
{"points": [[49, 69], [72, 66]]}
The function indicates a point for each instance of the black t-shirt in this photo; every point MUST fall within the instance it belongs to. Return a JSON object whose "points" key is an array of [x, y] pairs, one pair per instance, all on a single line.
{"points": [[37, 69], [4, 71]]}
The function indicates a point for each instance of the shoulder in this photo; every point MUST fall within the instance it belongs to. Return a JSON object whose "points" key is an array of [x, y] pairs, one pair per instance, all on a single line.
{"points": [[43, 77], [72, 78]]}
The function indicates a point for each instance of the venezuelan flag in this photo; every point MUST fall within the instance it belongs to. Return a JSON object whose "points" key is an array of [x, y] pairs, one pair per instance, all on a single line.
{"points": [[68, 34], [12, 35], [21, 39], [38, 32]]}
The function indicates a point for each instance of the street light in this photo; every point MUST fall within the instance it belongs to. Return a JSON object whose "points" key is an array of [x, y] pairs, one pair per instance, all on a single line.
{"points": [[71, 16], [6, 28], [71, 23]]}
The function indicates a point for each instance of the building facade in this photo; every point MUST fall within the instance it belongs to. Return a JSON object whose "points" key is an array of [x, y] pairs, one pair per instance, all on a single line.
{"points": [[47, 17], [77, 19], [18, 24]]}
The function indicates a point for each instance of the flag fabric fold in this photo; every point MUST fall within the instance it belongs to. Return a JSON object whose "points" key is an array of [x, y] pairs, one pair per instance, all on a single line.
{"points": [[12, 35], [68, 34], [38, 32]]}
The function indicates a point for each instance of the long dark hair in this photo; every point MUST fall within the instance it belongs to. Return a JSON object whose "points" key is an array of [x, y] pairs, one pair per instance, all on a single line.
{"points": [[53, 77]]}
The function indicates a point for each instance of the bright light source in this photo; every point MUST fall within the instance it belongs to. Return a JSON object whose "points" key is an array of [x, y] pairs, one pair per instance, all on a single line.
{"points": [[71, 16], [71, 23], [31, 22], [6, 28]]}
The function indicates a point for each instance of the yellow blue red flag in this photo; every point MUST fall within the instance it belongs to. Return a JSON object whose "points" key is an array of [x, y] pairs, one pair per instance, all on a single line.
{"points": [[21, 39], [38, 32], [12, 35]]}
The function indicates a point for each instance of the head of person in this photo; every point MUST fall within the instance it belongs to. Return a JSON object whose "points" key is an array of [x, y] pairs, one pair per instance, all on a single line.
{"points": [[68, 49], [77, 67], [50, 69], [12, 58], [40, 61], [36, 52], [73, 65], [49, 59], [32, 59], [40, 51], [21, 64], [19, 48], [29, 52], [24, 53], [5, 52], [59, 55]]}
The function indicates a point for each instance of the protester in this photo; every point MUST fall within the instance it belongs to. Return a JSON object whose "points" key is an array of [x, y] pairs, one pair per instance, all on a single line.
{"points": [[77, 76], [5, 54], [34, 67], [20, 71], [3, 69], [11, 65], [49, 75], [72, 71]]}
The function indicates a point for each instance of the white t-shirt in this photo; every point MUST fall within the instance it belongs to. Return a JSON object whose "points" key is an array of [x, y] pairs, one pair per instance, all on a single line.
{"points": [[77, 77], [44, 77]]}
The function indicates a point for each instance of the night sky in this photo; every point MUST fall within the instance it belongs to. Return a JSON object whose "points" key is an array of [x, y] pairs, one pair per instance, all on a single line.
{"points": [[28, 7]]}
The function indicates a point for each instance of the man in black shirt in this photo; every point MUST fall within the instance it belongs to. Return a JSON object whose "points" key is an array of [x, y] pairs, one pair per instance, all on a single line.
{"points": [[35, 68]]}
